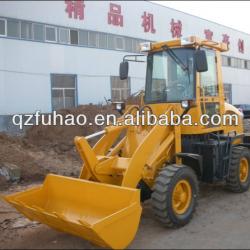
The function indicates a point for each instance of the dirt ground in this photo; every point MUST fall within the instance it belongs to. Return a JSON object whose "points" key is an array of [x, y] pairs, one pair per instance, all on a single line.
{"points": [[221, 220], [45, 149]]}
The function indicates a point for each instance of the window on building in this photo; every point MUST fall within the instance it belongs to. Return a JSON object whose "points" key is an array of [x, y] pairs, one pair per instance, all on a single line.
{"points": [[245, 64], [26, 30], [83, 37], [74, 37], [2, 27], [119, 43], [13, 28], [224, 60], [136, 45], [209, 83], [237, 62], [232, 62], [111, 41], [93, 36], [242, 63], [248, 64], [63, 91], [63, 35], [120, 89], [50, 33], [128, 44], [38, 32], [103, 41], [228, 92]]}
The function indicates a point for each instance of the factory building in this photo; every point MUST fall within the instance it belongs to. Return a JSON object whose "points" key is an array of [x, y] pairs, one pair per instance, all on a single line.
{"points": [[61, 54]]}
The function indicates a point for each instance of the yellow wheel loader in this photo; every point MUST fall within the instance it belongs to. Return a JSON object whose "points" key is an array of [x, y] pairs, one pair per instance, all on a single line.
{"points": [[162, 162]]}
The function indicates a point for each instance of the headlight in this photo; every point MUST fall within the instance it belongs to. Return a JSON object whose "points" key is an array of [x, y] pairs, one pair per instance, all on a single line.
{"points": [[145, 47], [184, 104], [118, 106]]}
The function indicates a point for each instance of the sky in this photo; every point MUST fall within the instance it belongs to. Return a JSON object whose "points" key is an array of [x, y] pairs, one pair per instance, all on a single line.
{"points": [[235, 14]]}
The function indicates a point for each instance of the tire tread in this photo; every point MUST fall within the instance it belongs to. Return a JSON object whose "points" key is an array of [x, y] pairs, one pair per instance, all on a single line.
{"points": [[161, 191]]}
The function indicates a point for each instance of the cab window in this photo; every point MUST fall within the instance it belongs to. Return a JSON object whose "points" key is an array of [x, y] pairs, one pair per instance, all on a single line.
{"points": [[209, 81]]}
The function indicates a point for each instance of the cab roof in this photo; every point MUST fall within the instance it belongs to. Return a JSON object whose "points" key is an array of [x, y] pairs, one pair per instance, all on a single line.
{"points": [[191, 41]]}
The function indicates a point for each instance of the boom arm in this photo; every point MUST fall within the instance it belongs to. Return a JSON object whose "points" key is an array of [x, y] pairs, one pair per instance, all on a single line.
{"points": [[128, 170]]}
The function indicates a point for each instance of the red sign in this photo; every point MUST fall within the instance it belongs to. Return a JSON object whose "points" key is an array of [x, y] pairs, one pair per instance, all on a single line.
{"points": [[176, 28], [75, 8], [241, 45], [208, 34], [148, 22], [225, 39], [114, 15]]}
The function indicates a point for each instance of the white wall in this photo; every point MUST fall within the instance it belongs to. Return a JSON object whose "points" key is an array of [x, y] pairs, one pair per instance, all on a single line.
{"points": [[25, 84], [240, 80]]}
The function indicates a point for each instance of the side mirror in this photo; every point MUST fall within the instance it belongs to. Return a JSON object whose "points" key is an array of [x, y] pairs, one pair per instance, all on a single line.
{"points": [[123, 70], [200, 59]]}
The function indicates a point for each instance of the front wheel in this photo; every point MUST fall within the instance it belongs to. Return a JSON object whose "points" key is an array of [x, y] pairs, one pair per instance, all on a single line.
{"points": [[175, 195]]}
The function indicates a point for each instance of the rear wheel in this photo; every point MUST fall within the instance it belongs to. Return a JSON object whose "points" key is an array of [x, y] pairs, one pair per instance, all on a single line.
{"points": [[175, 195], [238, 179]]}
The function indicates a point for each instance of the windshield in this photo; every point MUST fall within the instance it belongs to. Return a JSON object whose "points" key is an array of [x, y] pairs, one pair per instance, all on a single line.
{"points": [[170, 76]]}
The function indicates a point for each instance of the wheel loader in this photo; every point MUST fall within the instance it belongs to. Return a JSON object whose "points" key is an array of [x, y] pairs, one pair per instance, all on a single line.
{"points": [[163, 163]]}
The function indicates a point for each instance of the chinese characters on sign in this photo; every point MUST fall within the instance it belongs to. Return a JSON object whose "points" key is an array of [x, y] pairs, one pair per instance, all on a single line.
{"points": [[148, 22], [225, 39], [208, 34], [176, 28], [75, 9], [114, 16], [241, 45]]}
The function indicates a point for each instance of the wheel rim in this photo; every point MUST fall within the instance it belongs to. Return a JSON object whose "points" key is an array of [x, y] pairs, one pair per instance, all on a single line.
{"points": [[244, 169], [182, 196]]}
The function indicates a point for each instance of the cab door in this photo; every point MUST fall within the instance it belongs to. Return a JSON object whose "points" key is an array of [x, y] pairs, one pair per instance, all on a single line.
{"points": [[211, 91]]}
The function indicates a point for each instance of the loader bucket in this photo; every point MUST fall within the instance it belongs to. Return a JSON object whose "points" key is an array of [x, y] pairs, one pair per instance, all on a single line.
{"points": [[104, 214]]}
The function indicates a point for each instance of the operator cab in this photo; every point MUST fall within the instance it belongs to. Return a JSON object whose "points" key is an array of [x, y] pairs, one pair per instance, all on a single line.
{"points": [[184, 73], [171, 72]]}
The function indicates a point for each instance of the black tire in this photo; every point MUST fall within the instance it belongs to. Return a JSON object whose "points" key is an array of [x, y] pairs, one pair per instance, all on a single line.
{"points": [[145, 191], [163, 189], [233, 182]]}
